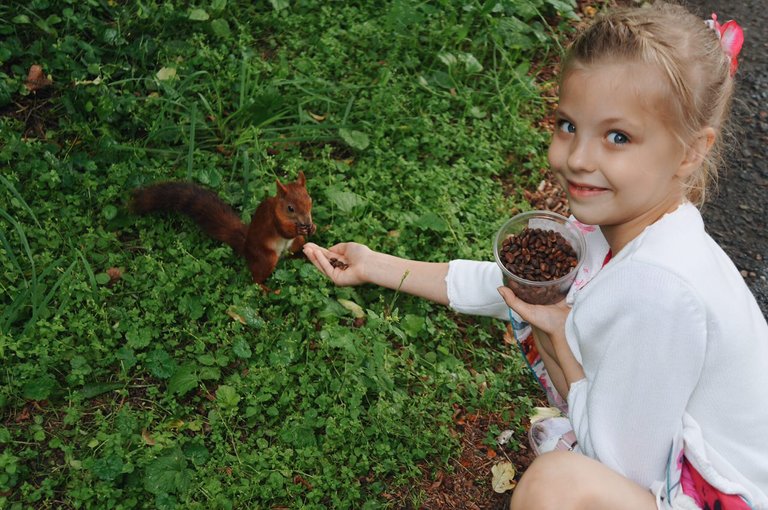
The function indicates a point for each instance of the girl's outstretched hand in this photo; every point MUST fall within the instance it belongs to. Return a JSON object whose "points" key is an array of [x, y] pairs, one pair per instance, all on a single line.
{"points": [[343, 263], [548, 318]]}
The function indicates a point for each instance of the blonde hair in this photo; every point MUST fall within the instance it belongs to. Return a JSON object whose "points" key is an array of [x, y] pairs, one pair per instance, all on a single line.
{"points": [[688, 53]]}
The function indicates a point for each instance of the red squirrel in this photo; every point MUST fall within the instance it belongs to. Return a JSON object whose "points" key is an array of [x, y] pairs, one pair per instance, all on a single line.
{"points": [[279, 223]]}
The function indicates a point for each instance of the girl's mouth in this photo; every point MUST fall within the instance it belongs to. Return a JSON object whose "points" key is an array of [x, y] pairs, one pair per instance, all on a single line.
{"points": [[584, 190]]}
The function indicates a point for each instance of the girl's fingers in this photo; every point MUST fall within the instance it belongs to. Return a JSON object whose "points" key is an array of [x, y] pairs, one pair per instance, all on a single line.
{"points": [[321, 258], [314, 248], [332, 252], [515, 303], [316, 255], [548, 318], [338, 249]]}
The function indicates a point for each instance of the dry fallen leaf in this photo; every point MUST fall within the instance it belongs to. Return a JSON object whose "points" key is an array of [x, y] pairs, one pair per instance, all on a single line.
{"points": [[504, 437], [236, 316], [245, 315], [318, 118], [175, 424], [95, 81], [438, 480], [503, 477], [23, 416], [354, 308], [539, 413], [147, 437], [166, 73], [300, 480], [509, 336], [114, 273], [36, 79]]}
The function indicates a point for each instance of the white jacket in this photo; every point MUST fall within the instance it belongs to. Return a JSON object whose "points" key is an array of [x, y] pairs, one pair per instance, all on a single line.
{"points": [[675, 354]]}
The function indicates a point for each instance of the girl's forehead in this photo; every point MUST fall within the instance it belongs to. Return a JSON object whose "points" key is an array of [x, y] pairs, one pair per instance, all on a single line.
{"points": [[640, 83], [619, 74]]}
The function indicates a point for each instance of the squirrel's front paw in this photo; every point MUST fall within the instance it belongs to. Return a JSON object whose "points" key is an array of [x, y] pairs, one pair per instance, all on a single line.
{"points": [[305, 229]]}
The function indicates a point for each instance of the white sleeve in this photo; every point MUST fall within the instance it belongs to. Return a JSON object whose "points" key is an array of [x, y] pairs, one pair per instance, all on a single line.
{"points": [[642, 335], [472, 288]]}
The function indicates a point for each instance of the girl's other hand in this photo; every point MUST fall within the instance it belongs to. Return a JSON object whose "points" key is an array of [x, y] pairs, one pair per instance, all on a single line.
{"points": [[548, 318], [354, 255]]}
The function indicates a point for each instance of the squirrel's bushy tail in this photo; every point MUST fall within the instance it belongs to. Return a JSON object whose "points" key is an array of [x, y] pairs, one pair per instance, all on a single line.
{"points": [[213, 216]]}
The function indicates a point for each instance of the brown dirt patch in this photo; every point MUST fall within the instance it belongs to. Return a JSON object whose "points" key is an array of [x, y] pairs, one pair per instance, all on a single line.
{"points": [[466, 483]]}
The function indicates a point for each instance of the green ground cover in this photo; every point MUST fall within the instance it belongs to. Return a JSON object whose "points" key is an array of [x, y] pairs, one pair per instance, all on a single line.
{"points": [[181, 384]]}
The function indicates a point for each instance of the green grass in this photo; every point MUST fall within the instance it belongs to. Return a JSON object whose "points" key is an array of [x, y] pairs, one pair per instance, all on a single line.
{"points": [[181, 384]]}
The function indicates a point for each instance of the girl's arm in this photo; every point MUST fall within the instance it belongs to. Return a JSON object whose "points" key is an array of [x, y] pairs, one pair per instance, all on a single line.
{"points": [[466, 286], [549, 329], [363, 265], [549, 358]]}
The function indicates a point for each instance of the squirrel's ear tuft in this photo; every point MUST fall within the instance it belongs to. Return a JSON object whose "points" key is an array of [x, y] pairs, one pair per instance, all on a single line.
{"points": [[281, 189], [301, 180]]}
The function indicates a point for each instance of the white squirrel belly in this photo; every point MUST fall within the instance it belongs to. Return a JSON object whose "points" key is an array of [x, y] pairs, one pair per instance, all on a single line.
{"points": [[281, 245]]}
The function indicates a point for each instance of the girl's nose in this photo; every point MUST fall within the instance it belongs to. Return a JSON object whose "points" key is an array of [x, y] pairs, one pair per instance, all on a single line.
{"points": [[581, 156]]}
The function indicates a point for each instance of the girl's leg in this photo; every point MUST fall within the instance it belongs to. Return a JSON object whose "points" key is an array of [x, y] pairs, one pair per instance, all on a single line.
{"points": [[571, 481]]}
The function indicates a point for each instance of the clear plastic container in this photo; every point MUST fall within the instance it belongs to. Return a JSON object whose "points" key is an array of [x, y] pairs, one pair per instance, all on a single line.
{"points": [[540, 292]]}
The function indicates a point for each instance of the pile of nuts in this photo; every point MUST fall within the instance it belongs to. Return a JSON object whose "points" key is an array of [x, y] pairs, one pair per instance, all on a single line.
{"points": [[338, 263], [538, 255]]}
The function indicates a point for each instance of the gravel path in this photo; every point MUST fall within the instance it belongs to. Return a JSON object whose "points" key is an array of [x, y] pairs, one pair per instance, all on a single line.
{"points": [[736, 217]]}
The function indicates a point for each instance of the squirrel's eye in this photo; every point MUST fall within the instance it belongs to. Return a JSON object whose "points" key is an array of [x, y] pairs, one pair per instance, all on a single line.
{"points": [[290, 208]]}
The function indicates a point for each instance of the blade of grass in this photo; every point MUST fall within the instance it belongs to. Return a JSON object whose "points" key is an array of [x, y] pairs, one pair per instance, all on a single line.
{"points": [[347, 110], [191, 149], [89, 273], [246, 168], [18, 196], [42, 305], [12, 311], [11, 256], [24, 243]]}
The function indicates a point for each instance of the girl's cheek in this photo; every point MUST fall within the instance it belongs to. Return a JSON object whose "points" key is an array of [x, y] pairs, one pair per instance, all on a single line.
{"points": [[551, 154], [554, 155]]}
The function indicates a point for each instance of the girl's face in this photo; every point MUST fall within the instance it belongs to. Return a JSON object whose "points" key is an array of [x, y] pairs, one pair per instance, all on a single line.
{"points": [[620, 164]]}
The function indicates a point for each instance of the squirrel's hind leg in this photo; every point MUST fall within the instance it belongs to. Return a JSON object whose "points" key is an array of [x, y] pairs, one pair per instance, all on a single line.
{"points": [[262, 266], [267, 290]]}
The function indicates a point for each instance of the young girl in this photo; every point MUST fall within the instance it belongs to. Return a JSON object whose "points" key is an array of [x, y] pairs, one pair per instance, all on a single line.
{"points": [[660, 351]]}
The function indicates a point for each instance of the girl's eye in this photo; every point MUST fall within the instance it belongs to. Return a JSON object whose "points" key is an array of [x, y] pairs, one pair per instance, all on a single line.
{"points": [[617, 138], [566, 126]]}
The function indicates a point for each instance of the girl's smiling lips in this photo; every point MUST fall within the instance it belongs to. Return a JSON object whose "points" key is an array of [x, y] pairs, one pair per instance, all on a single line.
{"points": [[578, 189]]}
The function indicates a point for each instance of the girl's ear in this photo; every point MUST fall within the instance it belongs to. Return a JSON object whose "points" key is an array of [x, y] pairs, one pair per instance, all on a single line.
{"points": [[696, 152]]}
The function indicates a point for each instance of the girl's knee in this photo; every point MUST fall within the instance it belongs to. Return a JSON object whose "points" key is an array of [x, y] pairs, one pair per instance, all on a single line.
{"points": [[553, 468], [547, 483]]}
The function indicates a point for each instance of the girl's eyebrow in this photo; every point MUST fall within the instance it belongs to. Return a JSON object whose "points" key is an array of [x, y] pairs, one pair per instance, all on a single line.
{"points": [[616, 120], [622, 122]]}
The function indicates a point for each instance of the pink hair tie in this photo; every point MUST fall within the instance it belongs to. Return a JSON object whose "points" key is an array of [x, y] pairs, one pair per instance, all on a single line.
{"points": [[731, 39]]}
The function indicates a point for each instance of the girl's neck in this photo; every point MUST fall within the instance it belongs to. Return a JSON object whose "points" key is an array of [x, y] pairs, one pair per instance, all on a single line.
{"points": [[618, 236]]}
